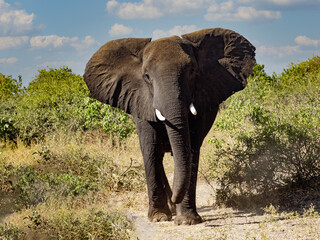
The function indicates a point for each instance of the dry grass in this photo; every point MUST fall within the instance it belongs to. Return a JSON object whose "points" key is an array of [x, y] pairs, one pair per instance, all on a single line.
{"points": [[45, 157], [220, 223]]}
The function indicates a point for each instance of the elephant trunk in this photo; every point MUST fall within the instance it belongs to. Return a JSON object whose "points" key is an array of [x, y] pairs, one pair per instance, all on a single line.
{"points": [[179, 137]]}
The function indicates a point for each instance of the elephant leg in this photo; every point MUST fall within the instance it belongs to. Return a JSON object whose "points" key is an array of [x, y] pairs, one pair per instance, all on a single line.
{"points": [[153, 156], [199, 128], [186, 210], [168, 191]]}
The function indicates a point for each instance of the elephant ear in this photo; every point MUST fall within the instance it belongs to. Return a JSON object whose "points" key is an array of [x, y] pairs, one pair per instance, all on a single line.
{"points": [[225, 60], [114, 76]]}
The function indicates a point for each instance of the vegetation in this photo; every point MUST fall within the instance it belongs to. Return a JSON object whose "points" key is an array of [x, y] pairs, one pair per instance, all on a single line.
{"points": [[52, 151], [274, 141], [56, 99], [63, 155]]}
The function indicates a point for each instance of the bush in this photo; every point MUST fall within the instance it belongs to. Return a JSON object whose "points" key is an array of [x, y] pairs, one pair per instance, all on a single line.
{"points": [[112, 120], [97, 169], [273, 127], [35, 187], [9, 87], [8, 132], [8, 231], [69, 172], [56, 99], [91, 225], [50, 103], [71, 225]]}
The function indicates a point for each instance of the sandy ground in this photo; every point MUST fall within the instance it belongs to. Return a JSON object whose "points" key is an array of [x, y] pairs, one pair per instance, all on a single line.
{"points": [[227, 223]]}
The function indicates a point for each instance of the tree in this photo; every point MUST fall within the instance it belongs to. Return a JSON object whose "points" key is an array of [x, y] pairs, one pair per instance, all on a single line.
{"points": [[9, 87]]}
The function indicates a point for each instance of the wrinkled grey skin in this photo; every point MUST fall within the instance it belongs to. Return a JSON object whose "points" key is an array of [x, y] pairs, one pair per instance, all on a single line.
{"points": [[140, 75]]}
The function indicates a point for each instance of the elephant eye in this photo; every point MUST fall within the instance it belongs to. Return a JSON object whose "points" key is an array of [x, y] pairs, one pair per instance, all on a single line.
{"points": [[147, 78]]}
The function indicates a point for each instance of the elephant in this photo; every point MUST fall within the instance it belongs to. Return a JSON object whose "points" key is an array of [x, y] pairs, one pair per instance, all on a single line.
{"points": [[173, 88]]}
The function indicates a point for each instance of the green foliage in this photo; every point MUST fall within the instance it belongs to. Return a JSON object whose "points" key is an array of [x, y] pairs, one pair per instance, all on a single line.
{"points": [[50, 103], [117, 122], [7, 129], [92, 225], [112, 120], [35, 187], [56, 99], [302, 75], [70, 225], [8, 231], [98, 169], [6, 172], [9, 87], [273, 127], [69, 173]]}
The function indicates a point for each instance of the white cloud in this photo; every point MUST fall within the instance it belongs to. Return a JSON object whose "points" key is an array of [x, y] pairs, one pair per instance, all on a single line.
{"points": [[305, 41], [120, 30], [293, 2], [86, 43], [281, 4], [227, 11], [151, 9], [3, 4], [139, 10], [112, 6], [54, 41], [282, 51], [12, 42], [8, 60], [51, 41], [177, 30], [15, 21]]}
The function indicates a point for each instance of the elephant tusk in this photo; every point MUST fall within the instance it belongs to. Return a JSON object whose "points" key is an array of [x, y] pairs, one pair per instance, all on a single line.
{"points": [[193, 109], [159, 115]]}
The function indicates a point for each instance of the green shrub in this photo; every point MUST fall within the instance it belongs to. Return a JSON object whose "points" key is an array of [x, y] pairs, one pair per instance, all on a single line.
{"points": [[6, 173], [97, 168], [50, 103], [7, 129], [71, 225], [91, 225], [35, 186], [67, 173], [9, 87], [10, 90], [56, 99], [112, 120], [273, 127], [8, 231]]}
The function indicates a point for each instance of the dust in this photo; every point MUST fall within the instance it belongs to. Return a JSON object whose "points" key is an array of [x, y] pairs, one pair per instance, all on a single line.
{"points": [[228, 223]]}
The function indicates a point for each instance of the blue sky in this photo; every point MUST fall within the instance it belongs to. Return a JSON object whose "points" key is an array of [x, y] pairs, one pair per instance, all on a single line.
{"points": [[35, 34]]}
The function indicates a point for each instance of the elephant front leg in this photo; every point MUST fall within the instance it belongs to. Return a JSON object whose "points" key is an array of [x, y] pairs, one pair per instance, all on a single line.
{"points": [[153, 156], [158, 201], [187, 211]]}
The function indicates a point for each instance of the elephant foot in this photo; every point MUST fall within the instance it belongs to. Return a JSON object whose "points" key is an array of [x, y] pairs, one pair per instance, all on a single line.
{"points": [[159, 215], [188, 218]]}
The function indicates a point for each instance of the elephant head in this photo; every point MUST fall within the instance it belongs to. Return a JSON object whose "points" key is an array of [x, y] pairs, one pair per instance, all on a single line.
{"points": [[165, 79]]}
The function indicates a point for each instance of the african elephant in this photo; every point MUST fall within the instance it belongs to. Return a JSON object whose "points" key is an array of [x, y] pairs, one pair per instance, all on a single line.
{"points": [[172, 87]]}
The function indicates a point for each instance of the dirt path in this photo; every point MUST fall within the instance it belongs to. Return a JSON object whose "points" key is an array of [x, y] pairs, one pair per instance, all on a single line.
{"points": [[226, 223]]}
